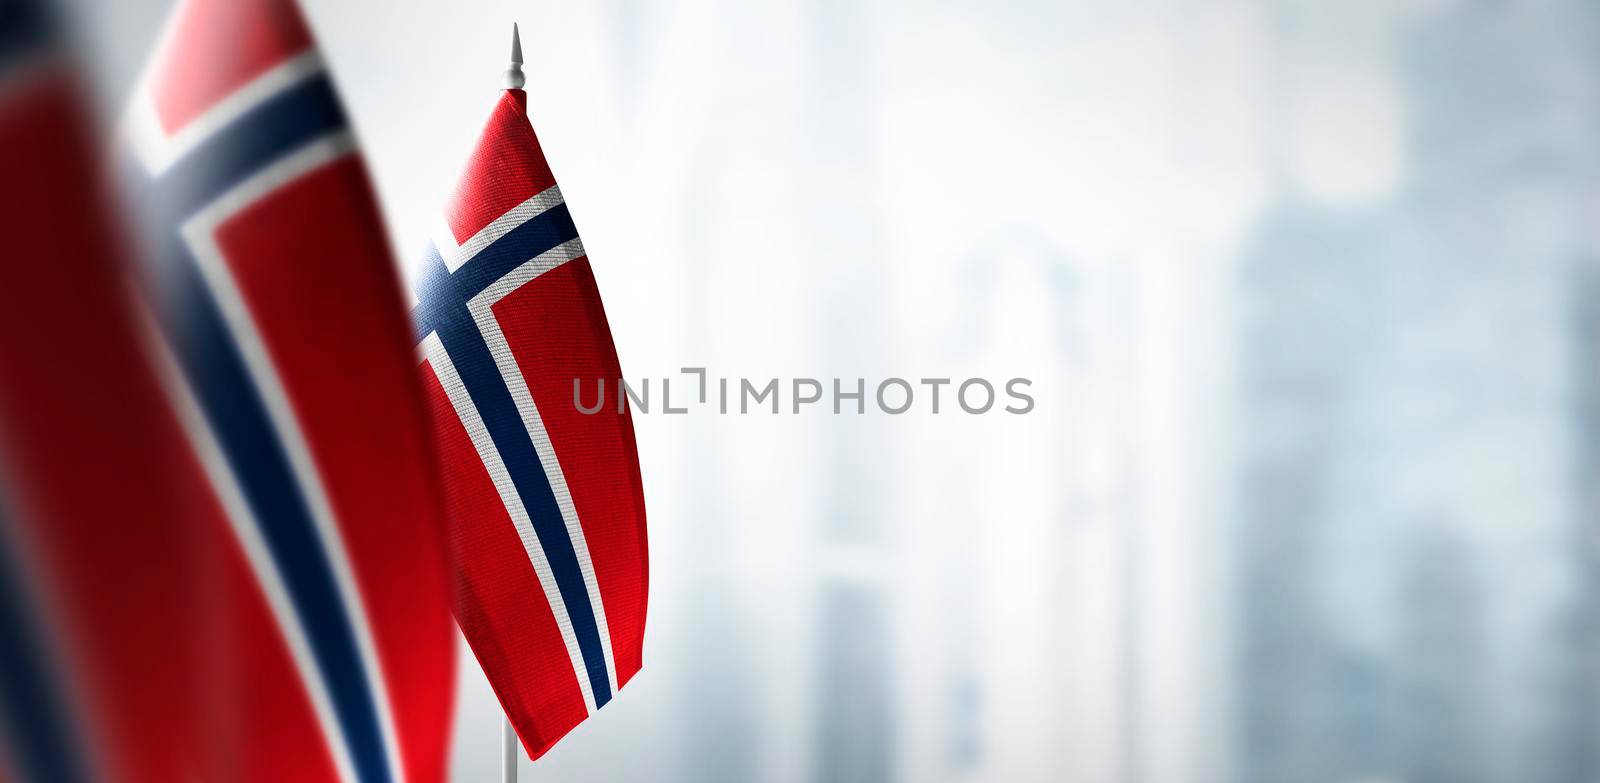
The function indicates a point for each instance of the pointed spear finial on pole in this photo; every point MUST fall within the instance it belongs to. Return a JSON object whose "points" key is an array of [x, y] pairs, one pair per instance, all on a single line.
{"points": [[514, 77]]}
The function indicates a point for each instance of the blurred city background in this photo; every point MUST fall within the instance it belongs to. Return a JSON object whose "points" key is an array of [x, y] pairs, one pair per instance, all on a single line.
{"points": [[1309, 292]]}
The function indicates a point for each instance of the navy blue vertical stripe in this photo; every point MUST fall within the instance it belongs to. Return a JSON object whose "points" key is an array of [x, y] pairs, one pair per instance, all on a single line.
{"points": [[443, 309], [33, 713], [25, 27], [233, 406]]}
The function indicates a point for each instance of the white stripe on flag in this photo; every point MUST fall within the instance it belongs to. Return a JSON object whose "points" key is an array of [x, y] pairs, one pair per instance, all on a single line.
{"points": [[455, 389], [159, 150], [454, 256], [482, 311]]}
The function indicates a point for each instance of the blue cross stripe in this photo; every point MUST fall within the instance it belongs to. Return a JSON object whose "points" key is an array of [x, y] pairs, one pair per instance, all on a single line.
{"points": [[443, 309], [24, 27], [33, 714], [215, 369]]}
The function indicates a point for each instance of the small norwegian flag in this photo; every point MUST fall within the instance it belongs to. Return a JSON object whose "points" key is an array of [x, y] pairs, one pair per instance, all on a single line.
{"points": [[545, 505]]}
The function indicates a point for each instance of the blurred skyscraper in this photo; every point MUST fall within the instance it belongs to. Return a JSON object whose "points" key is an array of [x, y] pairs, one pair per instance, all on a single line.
{"points": [[1578, 682], [1416, 442], [1059, 560], [853, 705]]}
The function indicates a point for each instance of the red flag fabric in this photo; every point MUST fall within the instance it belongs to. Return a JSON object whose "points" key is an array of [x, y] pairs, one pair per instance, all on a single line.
{"points": [[545, 503], [100, 544]]}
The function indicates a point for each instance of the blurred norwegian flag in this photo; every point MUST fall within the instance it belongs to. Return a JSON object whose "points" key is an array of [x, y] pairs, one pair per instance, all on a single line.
{"points": [[546, 508], [138, 645], [281, 320]]}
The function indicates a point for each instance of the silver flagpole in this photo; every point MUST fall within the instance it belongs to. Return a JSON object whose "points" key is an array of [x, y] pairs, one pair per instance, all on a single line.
{"points": [[508, 751], [514, 77], [508, 735]]}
